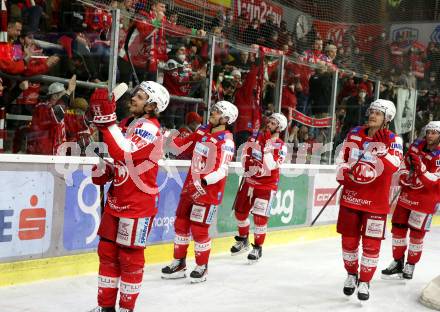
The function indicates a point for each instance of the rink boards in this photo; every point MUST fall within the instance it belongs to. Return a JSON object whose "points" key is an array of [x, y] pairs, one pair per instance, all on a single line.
{"points": [[50, 212]]}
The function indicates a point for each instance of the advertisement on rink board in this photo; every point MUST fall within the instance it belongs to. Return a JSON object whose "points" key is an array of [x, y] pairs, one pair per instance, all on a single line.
{"points": [[289, 206], [82, 212], [26, 208], [324, 186], [170, 186], [408, 34]]}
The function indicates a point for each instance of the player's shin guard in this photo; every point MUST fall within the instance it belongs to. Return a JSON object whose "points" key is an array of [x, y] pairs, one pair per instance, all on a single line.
{"points": [[132, 270], [260, 229], [243, 224], [202, 243], [182, 238], [415, 246], [399, 242], [350, 254], [109, 273], [370, 258]]}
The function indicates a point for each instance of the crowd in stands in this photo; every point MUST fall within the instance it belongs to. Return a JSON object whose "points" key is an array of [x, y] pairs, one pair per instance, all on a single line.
{"points": [[71, 40]]}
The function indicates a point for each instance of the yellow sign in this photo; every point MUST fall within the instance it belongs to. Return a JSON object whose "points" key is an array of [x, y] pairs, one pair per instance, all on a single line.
{"points": [[223, 3]]}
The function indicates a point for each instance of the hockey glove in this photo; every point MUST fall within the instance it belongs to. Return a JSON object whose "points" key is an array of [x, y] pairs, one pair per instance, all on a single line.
{"points": [[404, 179], [102, 108], [381, 136], [419, 166]]}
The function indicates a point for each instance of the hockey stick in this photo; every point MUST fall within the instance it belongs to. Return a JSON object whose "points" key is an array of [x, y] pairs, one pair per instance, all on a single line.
{"points": [[127, 40], [336, 191]]}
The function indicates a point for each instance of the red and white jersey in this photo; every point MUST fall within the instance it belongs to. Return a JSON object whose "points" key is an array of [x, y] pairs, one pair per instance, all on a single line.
{"points": [[212, 152], [267, 155], [134, 192], [369, 189], [423, 194]]}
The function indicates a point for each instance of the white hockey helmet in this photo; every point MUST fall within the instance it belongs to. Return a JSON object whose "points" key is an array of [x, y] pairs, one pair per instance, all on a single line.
{"points": [[228, 110], [156, 94], [384, 106], [282, 120], [433, 125]]}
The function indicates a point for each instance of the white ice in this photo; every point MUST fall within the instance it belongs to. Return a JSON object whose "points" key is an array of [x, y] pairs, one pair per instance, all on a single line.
{"points": [[296, 277]]}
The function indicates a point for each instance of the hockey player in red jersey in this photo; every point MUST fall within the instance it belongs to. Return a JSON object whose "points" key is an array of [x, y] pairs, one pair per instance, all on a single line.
{"points": [[369, 157], [213, 148], [418, 201], [262, 155], [133, 195]]}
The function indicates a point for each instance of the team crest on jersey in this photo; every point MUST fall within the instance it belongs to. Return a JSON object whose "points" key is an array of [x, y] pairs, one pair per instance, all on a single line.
{"points": [[364, 173], [121, 173]]}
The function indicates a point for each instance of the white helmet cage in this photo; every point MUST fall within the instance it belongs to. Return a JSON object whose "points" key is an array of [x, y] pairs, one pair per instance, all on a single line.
{"points": [[282, 120], [228, 110]]}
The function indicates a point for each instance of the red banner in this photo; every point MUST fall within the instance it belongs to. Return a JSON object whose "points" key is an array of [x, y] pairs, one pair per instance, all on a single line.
{"points": [[258, 9], [364, 33], [310, 121]]}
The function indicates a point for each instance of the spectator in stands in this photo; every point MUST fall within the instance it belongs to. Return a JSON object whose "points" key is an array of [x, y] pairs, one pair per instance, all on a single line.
{"points": [[16, 61], [237, 30], [366, 84], [47, 130], [288, 102], [314, 55], [243, 61], [320, 85], [252, 32], [303, 142], [75, 40], [77, 126], [148, 43], [331, 53], [267, 29], [283, 34], [356, 110], [272, 42]]}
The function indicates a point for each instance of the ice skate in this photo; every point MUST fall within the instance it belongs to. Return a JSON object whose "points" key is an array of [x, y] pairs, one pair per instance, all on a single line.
{"points": [[394, 270], [255, 254], [241, 245], [176, 270], [408, 271], [101, 309], [124, 310], [199, 274], [363, 291], [350, 284]]}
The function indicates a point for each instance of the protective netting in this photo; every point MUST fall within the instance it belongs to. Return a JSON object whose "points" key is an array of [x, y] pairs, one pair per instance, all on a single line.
{"points": [[383, 39]]}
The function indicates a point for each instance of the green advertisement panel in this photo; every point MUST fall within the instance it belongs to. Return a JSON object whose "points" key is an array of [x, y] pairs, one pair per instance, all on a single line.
{"points": [[288, 208]]}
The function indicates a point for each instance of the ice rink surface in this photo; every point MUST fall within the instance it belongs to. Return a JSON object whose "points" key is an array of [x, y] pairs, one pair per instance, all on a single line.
{"points": [[297, 277]]}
